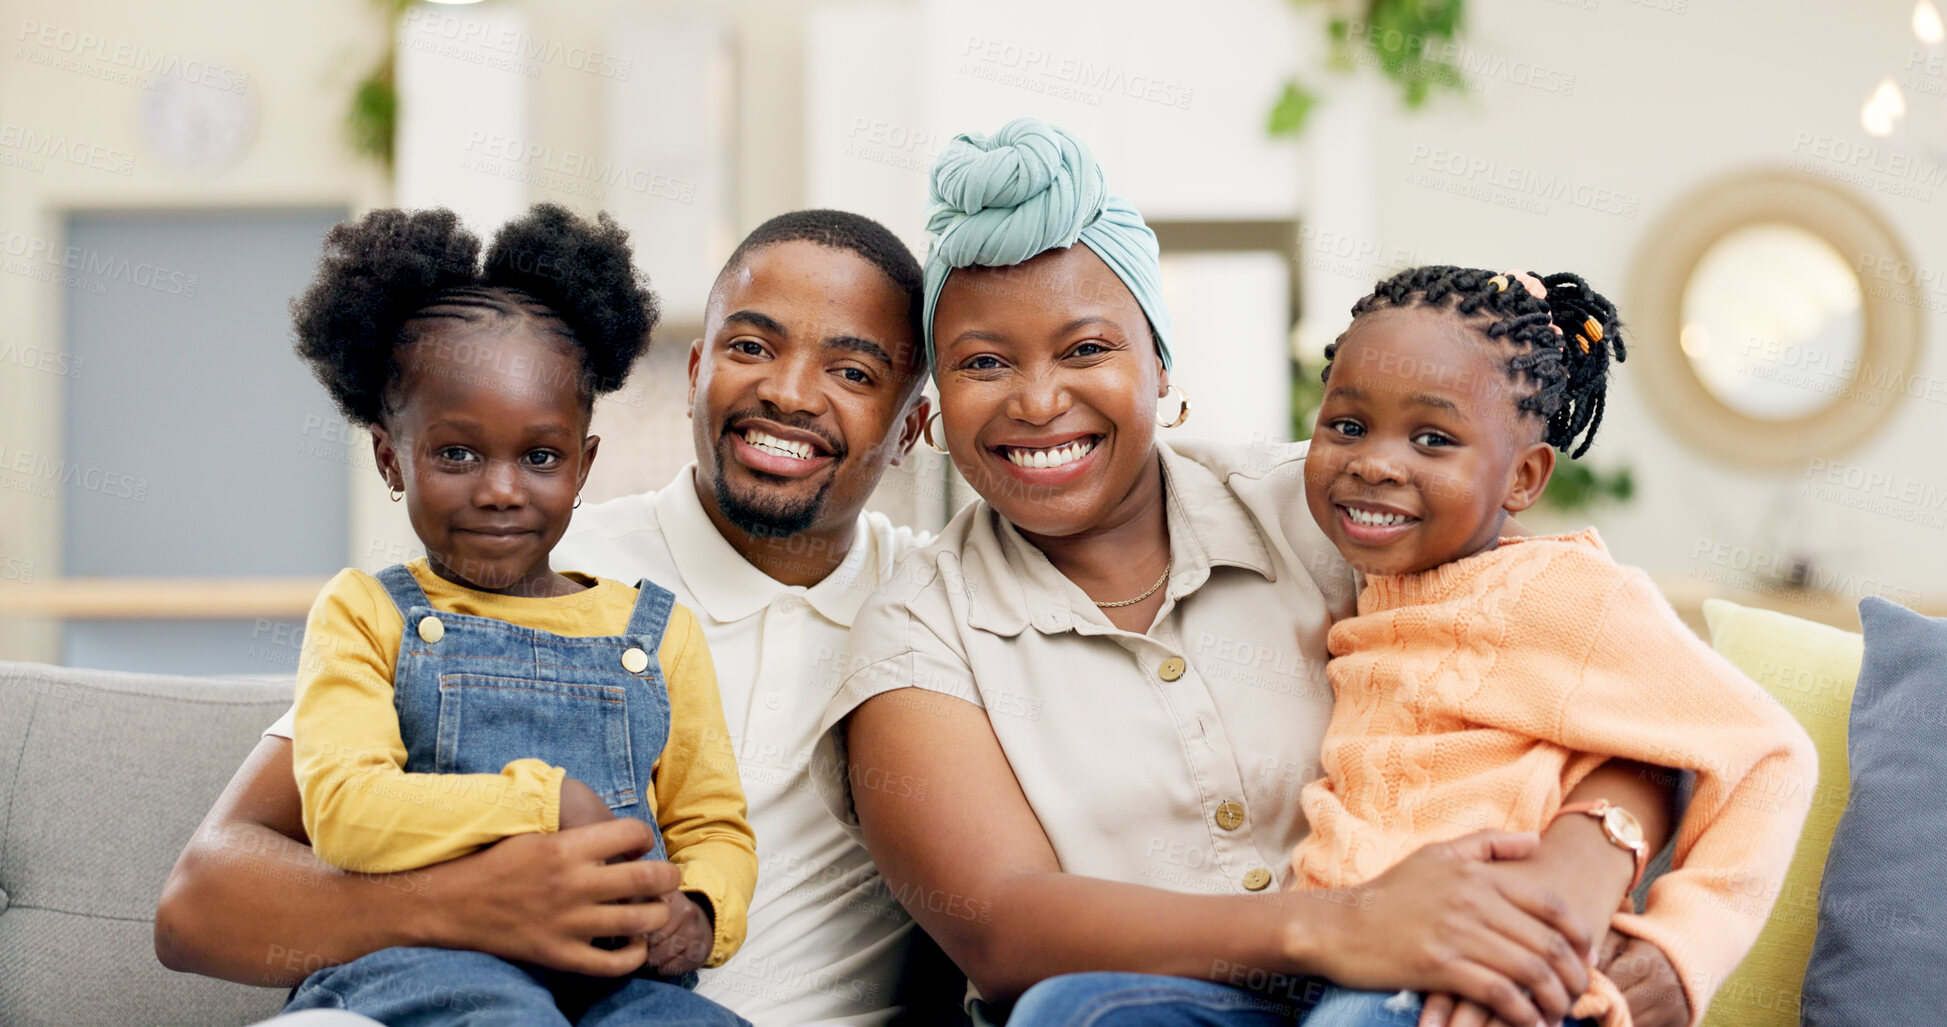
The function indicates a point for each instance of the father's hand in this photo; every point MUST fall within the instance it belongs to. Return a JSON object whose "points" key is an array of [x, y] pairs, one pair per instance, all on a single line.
{"points": [[545, 898], [1443, 920]]}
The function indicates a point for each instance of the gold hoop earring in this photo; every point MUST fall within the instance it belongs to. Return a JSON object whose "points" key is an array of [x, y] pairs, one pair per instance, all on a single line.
{"points": [[396, 494], [1182, 413], [926, 432]]}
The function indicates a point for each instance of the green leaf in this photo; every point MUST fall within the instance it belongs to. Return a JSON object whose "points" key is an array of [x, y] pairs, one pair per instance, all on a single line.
{"points": [[372, 116], [1409, 41], [1307, 395], [1576, 486], [372, 120], [1293, 107]]}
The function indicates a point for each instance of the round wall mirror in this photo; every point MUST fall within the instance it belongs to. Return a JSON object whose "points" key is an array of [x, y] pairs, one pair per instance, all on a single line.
{"points": [[1776, 319]]}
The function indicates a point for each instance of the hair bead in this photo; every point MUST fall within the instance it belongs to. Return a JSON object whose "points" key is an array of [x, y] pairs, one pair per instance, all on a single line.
{"points": [[1570, 384]]}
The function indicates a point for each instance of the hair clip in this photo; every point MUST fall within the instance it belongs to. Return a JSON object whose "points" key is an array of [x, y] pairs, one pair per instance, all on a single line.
{"points": [[1593, 329], [1584, 340], [1499, 282]]}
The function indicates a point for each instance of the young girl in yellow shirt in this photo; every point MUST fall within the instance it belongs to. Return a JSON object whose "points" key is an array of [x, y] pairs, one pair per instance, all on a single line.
{"points": [[479, 693]]}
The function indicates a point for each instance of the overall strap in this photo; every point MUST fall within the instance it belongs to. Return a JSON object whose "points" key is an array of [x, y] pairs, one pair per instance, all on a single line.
{"points": [[652, 606], [403, 588]]}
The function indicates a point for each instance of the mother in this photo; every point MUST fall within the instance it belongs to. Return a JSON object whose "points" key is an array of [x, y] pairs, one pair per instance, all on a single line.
{"points": [[1077, 725]]}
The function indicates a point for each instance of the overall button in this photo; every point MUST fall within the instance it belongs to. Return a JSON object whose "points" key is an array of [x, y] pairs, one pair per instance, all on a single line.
{"points": [[1230, 815], [431, 629], [1171, 669], [634, 660], [1257, 880]]}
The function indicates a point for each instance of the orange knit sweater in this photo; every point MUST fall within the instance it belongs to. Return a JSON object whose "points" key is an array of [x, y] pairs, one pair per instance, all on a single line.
{"points": [[1477, 694]]}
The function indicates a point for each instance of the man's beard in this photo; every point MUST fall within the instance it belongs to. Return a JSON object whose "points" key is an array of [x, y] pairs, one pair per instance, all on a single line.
{"points": [[767, 514], [763, 513]]}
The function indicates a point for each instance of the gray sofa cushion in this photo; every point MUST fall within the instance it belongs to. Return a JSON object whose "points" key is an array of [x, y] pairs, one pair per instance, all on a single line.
{"points": [[1882, 937], [103, 776]]}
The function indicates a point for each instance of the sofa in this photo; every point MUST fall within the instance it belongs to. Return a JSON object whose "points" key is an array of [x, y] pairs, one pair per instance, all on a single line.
{"points": [[103, 777]]}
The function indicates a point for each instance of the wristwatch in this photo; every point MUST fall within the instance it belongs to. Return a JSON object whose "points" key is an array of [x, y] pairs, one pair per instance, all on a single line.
{"points": [[1620, 826]]}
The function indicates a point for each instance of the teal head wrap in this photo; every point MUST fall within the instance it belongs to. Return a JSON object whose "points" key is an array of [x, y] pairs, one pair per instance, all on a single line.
{"points": [[1029, 188]]}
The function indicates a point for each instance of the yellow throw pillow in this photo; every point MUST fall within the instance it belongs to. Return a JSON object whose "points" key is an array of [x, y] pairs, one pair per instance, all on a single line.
{"points": [[1810, 669]]}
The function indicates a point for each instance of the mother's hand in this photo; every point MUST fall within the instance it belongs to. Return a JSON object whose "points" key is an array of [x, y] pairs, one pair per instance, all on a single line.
{"points": [[949, 825], [1446, 920]]}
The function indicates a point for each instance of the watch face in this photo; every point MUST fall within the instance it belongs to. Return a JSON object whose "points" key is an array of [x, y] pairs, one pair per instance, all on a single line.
{"points": [[1623, 826]]}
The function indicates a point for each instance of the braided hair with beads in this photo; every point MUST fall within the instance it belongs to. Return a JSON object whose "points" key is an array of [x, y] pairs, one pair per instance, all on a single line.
{"points": [[1561, 344]]}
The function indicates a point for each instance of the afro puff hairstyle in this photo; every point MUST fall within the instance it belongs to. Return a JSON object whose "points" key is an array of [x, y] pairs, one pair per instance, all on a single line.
{"points": [[392, 276], [1562, 342]]}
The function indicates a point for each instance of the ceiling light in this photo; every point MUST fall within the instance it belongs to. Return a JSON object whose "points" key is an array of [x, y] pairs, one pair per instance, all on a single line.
{"points": [[1889, 98], [1875, 119], [1926, 23]]}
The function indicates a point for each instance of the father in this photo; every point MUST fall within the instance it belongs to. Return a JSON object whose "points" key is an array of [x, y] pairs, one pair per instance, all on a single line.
{"points": [[803, 390]]}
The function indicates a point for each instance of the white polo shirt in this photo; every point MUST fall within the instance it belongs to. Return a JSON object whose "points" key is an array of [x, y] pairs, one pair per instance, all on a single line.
{"points": [[827, 939]]}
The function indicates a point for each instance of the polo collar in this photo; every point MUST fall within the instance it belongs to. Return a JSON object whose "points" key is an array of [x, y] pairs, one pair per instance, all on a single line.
{"points": [[1012, 584], [728, 587]]}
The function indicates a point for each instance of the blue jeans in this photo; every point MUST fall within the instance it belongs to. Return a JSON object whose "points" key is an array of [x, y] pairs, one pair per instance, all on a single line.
{"points": [[423, 987], [1153, 1000], [1103, 999], [1343, 1007]]}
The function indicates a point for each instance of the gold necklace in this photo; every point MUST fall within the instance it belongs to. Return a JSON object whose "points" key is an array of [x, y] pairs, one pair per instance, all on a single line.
{"points": [[1150, 591]]}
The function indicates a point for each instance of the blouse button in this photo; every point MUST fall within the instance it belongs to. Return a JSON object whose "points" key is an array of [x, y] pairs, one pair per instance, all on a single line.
{"points": [[431, 629], [1257, 880], [634, 660], [1230, 815], [1171, 669]]}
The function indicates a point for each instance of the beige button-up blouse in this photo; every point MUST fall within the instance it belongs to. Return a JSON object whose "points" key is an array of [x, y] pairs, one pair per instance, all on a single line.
{"points": [[1172, 758]]}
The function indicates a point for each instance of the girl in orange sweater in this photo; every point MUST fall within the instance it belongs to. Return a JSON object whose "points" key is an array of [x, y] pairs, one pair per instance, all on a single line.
{"points": [[1487, 671]]}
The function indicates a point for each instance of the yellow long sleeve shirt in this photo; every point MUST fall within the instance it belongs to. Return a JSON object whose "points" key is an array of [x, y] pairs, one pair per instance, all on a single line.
{"points": [[365, 812]]}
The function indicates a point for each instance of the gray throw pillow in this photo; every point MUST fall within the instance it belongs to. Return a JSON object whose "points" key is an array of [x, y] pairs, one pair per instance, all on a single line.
{"points": [[1881, 952]]}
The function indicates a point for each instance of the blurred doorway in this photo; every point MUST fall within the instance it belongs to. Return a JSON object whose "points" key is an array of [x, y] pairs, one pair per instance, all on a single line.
{"points": [[197, 446]]}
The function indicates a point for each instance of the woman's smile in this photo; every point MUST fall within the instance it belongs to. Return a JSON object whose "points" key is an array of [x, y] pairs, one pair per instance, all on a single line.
{"points": [[1049, 464], [1048, 380]]}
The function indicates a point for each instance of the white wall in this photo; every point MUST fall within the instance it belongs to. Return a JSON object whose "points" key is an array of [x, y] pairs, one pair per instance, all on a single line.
{"points": [[1632, 97], [1646, 103], [72, 86]]}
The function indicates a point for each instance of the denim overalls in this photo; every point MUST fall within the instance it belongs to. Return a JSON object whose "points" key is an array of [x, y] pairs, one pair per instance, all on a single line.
{"points": [[473, 694]]}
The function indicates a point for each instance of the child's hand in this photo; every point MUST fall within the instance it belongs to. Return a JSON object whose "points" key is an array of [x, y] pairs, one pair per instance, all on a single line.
{"points": [[580, 806], [1644, 975], [1447, 1011], [1639, 969], [683, 944], [1457, 1012]]}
